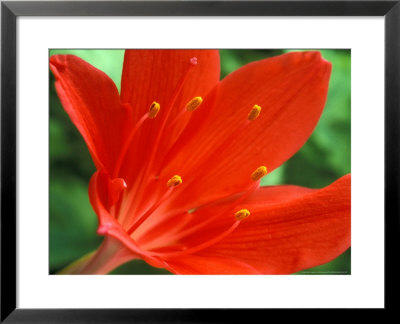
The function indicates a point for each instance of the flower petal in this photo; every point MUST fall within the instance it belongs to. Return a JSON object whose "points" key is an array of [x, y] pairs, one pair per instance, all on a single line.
{"points": [[152, 75], [219, 158], [210, 265], [282, 235], [91, 100], [170, 78]]}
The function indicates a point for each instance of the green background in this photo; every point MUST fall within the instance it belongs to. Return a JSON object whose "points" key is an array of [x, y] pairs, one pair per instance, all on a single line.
{"points": [[73, 223]]}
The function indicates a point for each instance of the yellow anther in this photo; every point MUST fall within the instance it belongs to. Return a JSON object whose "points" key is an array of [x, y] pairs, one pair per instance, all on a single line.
{"points": [[174, 181], [194, 103], [259, 173], [154, 109], [254, 112], [242, 214]]}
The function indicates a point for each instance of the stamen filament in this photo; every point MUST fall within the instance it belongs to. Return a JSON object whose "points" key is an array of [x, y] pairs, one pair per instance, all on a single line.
{"points": [[127, 143], [200, 246], [209, 220], [192, 105], [239, 215], [149, 211], [171, 184]]}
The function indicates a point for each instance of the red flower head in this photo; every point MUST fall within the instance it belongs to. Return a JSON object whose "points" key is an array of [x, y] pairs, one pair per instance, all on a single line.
{"points": [[180, 155]]}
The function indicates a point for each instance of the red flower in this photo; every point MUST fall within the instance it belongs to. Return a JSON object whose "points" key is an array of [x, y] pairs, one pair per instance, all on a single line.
{"points": [[180, 154]]}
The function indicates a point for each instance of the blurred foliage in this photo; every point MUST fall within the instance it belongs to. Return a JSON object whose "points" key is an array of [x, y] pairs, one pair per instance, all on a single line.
{"points": [[73, 223]]}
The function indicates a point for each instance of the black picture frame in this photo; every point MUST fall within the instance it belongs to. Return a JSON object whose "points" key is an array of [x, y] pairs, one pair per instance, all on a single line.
{"points": [[10, 10]]}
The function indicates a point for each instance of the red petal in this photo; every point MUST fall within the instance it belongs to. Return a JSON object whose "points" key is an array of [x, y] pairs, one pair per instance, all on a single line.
{"points": [[91, 100], [198, 264], [282, 235], [154, 75], [291, 89]]}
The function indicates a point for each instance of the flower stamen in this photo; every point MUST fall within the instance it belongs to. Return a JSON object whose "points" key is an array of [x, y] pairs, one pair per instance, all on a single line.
{"points": [[242, 214], [254, 112], [259, 173], [174, 181], [193, 104], [154, 109]]}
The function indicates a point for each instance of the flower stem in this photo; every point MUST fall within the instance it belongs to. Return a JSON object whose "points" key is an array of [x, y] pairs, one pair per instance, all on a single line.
{"points": [[106, 258]]}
